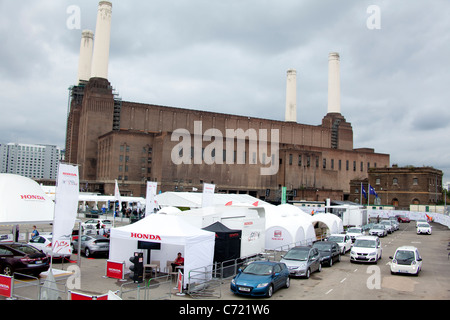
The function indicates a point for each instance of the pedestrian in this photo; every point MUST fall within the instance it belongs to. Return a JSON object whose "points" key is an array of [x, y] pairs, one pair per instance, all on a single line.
{"points": [[34, 233]]}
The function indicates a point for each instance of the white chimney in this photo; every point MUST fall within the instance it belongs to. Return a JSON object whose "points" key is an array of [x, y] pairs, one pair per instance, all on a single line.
{"points": [[85, 59], [291, 96], [100, 57], [334, 83]]}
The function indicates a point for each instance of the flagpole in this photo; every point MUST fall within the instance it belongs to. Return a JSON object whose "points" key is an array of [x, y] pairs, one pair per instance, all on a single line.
{"points": [[360, 196]]}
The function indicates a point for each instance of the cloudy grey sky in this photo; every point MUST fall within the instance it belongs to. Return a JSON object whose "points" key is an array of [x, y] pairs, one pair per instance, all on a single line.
{"points": [[231, 56]]}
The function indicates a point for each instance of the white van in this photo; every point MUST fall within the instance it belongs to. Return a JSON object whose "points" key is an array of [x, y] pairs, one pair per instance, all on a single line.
{"points": [[366, 249]]}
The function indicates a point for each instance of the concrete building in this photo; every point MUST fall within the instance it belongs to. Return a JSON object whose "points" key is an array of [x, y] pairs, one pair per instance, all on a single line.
{"points": [[181, 149], [30, 160]]}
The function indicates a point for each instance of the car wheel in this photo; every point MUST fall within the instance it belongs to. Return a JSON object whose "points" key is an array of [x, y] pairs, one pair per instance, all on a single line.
{"points": [[288, 282], [320, 267], [8, 270], [339, 258], [269, 291], [87, 252], [331, 262], [308, 273]]}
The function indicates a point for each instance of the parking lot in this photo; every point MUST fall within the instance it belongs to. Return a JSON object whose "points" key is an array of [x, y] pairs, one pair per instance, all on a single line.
{"points": [[344, 280]]}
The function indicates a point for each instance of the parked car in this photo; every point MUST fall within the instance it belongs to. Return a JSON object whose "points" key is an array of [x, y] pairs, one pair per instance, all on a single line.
{"points": [[91, 245], [395, 223], [403, 219], [261, 278], [329, 252], [90, 226], [44, 243], [423, 227], [366, 249], [421, 221], [355, 232], [302, 261], [343, 240], [378, 230], [22, 258], [388, 225], [406, 260]]}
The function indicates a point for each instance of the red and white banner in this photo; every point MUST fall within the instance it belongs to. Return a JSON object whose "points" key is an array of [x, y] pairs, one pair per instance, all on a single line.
{"points": [[150, 202], [115, 270], [208, 195], [83, 296], [66, 206], [5, 286]]}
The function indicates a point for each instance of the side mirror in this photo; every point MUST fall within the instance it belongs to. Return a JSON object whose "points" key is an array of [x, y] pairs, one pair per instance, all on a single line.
{"points": [[276, 274], [420, 259], [391, 257]]}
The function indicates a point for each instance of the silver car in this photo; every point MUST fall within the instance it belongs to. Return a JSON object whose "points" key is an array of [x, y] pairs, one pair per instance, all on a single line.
{"points": [[91, 244], [302, 261], [378, 230]]}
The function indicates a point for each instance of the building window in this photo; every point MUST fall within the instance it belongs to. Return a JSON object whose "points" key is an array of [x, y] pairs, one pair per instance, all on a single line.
{"points": [[395, 181], [300, 160], [332, 164], [378, 181], [415, 181], [340, 164], [324, 163], [346, 165], [354, 165]]}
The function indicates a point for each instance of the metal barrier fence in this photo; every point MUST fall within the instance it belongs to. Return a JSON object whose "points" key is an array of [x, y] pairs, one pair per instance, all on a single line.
{"points": [[154, 289], [26, 287]]}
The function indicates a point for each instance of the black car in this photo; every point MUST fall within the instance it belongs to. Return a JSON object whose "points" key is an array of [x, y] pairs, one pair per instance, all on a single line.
{"points": [[329, 252], [22, 258]]}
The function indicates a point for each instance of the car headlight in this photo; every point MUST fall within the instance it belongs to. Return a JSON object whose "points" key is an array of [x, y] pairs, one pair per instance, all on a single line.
{"points": [[262, 285], [233, 281], [394, 261], [372, 253], [352, 252]]}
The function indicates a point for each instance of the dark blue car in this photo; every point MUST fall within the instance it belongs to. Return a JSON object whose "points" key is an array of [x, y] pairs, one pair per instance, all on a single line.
{"points": [[261, 278]]}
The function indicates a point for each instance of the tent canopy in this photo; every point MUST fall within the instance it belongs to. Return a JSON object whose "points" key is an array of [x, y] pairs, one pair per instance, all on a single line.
{"points": [[23, 201], [194, 199], [228, 242], [196, 245]]}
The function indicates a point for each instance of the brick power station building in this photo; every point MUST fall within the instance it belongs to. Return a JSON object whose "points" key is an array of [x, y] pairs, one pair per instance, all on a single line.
{"points": [[181, 149]]}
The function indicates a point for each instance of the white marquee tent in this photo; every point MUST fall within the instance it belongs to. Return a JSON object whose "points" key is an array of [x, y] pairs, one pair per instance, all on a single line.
{"points": [[285, 224], [328, 221], [23, 201], [196, 245]]}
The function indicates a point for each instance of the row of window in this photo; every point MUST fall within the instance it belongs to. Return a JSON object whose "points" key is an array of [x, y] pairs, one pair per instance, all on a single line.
{"points": [[306, 161]]}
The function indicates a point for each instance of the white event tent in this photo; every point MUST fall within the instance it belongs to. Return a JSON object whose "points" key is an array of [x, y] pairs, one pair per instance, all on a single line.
{"points": [[23, 201], [285, 225], [328, 221], [196, 245]]}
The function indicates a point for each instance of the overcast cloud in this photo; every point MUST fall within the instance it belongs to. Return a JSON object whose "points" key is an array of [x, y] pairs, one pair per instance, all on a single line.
{"points": [[232, 56]]}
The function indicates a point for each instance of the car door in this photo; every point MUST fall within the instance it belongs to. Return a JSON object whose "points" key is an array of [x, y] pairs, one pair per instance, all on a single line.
{"points": [[315, 259], [277, 277], [84, 239], [348, 243], [335, 251]]}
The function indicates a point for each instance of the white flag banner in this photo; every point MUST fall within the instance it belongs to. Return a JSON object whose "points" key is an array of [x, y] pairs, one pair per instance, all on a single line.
{"points": [[66, 205], [150, 202], [117, 195], [208, 195]]}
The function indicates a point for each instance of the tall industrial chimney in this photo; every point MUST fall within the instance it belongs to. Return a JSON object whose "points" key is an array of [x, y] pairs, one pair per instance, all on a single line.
{"points": [[100, 57], [291, 96], [85, 60], [334, 83]]}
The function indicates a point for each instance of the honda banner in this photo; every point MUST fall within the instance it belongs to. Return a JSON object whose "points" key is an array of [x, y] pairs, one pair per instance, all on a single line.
{"points": [[66, 205], [5, 286], [115, 270], [208, 195]]}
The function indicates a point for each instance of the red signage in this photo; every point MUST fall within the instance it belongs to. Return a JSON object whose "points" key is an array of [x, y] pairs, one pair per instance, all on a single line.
{"points": [[5, 286], [145, 236], [32, 197], [115, 270]]}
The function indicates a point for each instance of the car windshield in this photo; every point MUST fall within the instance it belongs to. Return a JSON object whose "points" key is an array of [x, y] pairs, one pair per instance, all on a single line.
{"points": [[385, 222], [336, 239], [365, 243], [321, 246], [297, 254], [404, 255], [424, 225], [106, 221], [259, 269], [354, 230], [377, 226], [25, 249]]}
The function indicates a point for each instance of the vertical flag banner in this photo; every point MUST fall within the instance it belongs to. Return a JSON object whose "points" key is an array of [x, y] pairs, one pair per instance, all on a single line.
{"points": [[208, 195], [283, 195], [150, 202], [117, 195], [372, 191], [66, 205], [363, 191]]}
